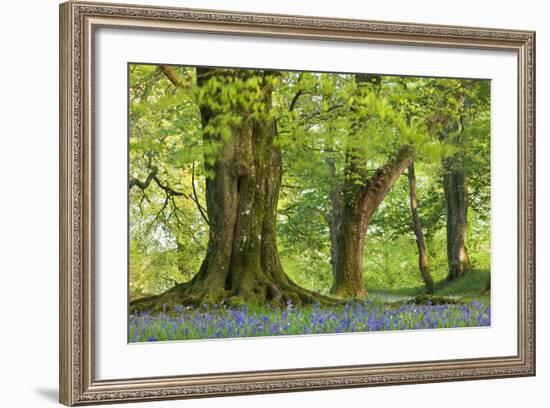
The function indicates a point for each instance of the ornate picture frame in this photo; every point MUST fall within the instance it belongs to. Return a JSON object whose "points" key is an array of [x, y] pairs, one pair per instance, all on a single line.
{"points": [[79, 22]]}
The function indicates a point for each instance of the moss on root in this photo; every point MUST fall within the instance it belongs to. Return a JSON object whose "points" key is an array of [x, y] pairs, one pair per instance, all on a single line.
{"points": [[435, 300], [184, 294]]}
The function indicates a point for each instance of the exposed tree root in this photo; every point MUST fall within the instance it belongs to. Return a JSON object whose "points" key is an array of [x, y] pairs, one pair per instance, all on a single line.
{"points": [[196, 293]]}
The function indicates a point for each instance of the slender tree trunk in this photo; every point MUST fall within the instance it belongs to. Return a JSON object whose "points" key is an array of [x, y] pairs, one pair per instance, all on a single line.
{"points": [[333, 217], [358, 202], [242, 188], [423, 263]]}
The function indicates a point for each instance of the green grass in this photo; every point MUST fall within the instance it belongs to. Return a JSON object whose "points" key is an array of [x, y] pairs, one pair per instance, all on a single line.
{"points": [[468, 287], [399, 281]]}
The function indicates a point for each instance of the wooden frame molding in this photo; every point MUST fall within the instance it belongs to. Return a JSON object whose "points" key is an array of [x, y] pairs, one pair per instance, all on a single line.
{"points": [[78, 22]]}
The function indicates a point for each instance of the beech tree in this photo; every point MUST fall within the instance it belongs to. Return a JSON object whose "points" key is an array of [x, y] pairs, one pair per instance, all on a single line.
{"points": [[462, 131], [449, 121], [360, 197], [455, 183], [243, 175], [367, 145]]}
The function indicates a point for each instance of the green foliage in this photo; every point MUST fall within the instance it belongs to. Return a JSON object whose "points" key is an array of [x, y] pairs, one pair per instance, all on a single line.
{"points": [[309, 269], [165, 141], [151, 272], [323, 121]]}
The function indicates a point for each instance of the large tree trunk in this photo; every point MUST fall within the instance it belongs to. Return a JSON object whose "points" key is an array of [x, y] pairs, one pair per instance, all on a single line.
{"points": [[352, 208], [423, 264], [358, 202], [456, 205], [244, 171]]}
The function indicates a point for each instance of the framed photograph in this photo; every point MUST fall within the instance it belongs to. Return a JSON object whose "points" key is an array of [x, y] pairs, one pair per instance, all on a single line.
{"points": [[256, 203]]}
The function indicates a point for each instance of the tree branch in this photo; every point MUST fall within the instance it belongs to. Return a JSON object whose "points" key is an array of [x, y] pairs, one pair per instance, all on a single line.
{"points": [[143, 184], [294, 100], [172, 76], [168, 189]]}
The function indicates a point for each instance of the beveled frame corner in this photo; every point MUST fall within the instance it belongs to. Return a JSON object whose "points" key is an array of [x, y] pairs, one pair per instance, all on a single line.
{"points": [[78, 22]]}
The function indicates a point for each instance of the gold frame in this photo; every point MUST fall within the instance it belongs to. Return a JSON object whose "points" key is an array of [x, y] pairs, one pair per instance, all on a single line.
{"points": [[78, 21]]}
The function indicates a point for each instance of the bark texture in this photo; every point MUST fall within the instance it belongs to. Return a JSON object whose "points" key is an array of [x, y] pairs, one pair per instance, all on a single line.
{"points": [[245, 168], [352, 208], [455, 188], [456, 205], [360, 197], [423, 264]]}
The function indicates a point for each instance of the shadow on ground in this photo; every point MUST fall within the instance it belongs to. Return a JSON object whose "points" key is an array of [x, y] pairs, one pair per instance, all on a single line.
{"points": [[50, 394]]}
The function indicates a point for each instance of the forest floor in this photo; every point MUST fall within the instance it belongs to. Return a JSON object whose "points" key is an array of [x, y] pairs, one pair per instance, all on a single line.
{"points": [[469, 287], [460, 303]]}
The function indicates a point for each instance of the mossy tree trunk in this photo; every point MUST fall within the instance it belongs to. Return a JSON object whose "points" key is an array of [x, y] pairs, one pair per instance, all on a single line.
{"points": [[360, 197], [455, 187], [244, 169], [450, 126], [353, 205]]}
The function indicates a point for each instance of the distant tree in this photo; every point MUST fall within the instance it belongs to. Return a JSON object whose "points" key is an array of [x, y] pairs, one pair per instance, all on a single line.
{"points": [[452, 121]]}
